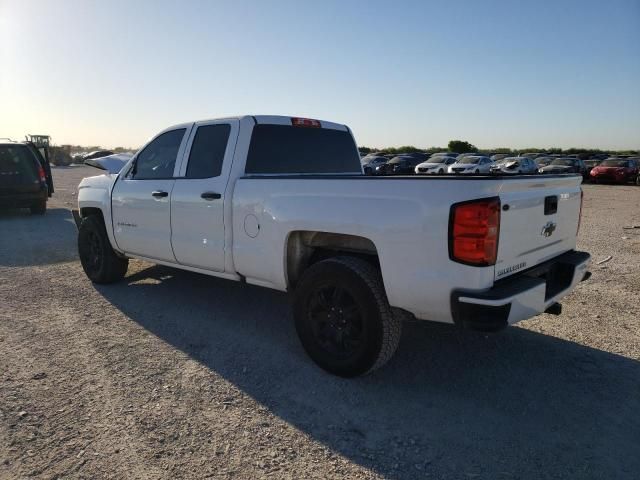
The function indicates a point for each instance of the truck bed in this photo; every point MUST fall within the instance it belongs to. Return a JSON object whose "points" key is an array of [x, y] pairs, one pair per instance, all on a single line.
{"points": [[407, 219]]}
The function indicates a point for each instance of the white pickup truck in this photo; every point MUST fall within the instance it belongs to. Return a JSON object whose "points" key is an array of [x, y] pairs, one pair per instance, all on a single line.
{"points": [[282, 203]]}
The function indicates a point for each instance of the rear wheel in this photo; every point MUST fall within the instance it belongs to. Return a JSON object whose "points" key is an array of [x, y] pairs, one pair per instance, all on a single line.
{"points": [[343, 318], [99, 261], [39, 208]]}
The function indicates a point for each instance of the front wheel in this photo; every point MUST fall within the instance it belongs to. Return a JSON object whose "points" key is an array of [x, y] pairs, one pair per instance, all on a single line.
{"points": [[99, 261], [343, 318]]}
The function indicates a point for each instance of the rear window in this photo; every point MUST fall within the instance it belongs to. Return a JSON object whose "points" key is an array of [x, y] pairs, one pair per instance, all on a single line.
{"points": [[279, 149], [17, 165]]}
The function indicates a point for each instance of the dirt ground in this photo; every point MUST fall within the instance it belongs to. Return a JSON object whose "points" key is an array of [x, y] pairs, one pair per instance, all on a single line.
{"points": [[172, 374]]}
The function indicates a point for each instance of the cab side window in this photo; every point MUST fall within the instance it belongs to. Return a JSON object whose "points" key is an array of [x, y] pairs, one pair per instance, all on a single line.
{"points": [[207, 152], [158, 159]]}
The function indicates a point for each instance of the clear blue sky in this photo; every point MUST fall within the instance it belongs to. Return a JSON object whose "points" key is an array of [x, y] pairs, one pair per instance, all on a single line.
{"points": [[496, 73]]}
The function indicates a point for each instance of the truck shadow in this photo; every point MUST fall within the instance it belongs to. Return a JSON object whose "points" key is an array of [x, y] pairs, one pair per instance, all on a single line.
{"points": [[513, 405], [27, 240]]}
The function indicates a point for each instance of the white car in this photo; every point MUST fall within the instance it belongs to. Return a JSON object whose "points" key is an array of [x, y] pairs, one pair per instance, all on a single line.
{"points": [[471, 165], [514, 166], [435, 165], [282, 203]]}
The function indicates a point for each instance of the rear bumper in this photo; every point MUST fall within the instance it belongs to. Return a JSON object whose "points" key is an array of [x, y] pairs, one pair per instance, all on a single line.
{"points": [[521, 296], [10, 199]]}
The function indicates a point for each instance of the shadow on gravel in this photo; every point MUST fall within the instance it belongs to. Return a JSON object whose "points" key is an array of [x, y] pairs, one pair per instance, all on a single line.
{"points": [[29, 240], [513, 405]]}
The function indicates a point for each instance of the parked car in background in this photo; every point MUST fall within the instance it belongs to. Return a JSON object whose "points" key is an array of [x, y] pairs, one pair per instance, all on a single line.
{"points": [[499, 156], [543, 161], [110, 163], [565, 165], [421, 156], [23, 181], [470, 154], [590, 164], [471, 165], [370, 162], [96, 154], [514, 166], [616, 170], [435, 165], [400, 165]]}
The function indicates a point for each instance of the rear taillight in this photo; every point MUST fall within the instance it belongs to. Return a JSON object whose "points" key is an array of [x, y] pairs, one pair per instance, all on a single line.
{"points": [[474, 228], [580, 215], [43, 177], [305, 122]]}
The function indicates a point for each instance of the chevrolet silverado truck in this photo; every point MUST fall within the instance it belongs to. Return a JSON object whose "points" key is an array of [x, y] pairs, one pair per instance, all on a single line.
{"points": [[282, 203]]}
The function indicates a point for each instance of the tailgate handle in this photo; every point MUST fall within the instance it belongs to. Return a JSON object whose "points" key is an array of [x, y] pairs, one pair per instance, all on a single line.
{"points": [[550, 204]]}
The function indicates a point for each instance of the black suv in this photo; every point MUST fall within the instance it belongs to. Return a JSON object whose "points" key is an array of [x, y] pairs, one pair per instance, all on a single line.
{"points": [[23, 181]]}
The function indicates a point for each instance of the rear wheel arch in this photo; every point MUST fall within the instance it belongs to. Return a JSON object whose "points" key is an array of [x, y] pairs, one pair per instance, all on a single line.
{"points": [[304, 248]]}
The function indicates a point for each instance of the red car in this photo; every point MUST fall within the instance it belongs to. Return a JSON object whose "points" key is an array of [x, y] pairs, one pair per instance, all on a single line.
{"points": [[617, 170]]}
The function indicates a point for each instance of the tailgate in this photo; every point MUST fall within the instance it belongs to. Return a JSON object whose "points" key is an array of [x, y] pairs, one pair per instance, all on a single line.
{"points": [[539, 221]]}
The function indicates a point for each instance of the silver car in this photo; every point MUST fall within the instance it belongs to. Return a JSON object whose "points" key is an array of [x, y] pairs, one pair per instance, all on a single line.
{"points": [[471, 165]]}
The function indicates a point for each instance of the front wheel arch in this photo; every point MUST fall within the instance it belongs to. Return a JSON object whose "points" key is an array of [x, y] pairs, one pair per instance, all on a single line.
{"points": [[97, 257]]}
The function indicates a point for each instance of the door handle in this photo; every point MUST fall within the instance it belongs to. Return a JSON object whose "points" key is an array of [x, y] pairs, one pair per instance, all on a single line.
{"points": [[159, 194], [210, 195]]}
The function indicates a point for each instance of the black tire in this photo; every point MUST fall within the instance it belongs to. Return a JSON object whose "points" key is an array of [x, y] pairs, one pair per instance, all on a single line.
{"points": [[352, 331], [99, 261], [39, 208]]}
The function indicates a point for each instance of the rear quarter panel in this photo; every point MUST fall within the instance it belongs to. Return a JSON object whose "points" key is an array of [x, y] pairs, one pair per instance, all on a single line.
{"points": [[406, 219]]}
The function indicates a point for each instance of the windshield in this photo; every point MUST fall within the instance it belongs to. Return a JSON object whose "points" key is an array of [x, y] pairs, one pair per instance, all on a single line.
{"points": [[438, 160], [614, 163], [469, 160], [373, 160], [566, 162], [395, 160]]}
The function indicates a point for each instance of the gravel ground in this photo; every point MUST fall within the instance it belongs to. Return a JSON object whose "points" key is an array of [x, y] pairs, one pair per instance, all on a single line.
{"points": [[171, 374]]}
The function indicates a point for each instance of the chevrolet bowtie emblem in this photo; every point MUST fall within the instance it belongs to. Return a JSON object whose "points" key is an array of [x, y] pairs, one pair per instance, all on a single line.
{"points": [[548, 229]]}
